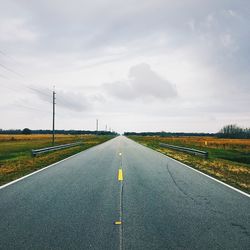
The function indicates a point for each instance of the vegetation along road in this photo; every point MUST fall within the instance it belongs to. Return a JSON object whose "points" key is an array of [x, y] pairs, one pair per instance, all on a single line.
{"points": [[122, 195], [228, 160], [15, 152]]}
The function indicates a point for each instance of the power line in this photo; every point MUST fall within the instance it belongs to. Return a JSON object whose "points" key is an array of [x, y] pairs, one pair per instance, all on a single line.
{"points": [[11, 88], [15, 89], [21, 105], [8, 56], [17, 73], [10, 70], [38, 90], [26, 107], [34, 90]]}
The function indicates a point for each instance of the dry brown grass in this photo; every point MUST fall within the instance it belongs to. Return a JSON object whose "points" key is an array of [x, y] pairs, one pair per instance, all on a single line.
{"points": [[59, 137], [209, 142], [234, 173], [15, 154]]}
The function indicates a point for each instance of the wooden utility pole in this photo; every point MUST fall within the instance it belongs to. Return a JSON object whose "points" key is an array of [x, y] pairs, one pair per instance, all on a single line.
{"points": [[54, 111]]}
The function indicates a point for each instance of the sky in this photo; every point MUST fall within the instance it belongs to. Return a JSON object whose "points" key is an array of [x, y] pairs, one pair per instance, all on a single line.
{"points": [[141, 65]]}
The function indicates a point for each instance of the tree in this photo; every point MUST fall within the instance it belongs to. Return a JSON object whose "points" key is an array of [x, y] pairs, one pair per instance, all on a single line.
{"points": [[26, 131], [233, 131]]}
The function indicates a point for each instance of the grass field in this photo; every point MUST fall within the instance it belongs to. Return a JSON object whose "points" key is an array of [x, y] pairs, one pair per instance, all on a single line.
{"points": [[15, 152], [228, 161]]}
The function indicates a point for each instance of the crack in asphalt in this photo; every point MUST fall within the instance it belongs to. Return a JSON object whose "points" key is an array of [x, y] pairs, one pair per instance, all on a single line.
{"points": [[178, 186]]}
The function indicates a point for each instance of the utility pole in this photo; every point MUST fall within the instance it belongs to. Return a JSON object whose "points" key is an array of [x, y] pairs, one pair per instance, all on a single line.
{"points": [[106, 127], [54, 110], [96, 124]]}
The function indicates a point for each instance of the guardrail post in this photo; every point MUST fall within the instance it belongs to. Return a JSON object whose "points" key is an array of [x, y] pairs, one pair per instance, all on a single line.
{"points": [[206, 155], [33, 153]]}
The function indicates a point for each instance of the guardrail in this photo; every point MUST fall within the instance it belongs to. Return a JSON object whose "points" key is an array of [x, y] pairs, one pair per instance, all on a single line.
{"points": [[36, 152], [186, 150]]}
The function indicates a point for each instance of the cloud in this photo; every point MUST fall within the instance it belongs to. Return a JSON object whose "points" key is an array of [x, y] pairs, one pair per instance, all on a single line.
{"points": [[143, 83], [72, 101], [201, 46], [16, 30]]}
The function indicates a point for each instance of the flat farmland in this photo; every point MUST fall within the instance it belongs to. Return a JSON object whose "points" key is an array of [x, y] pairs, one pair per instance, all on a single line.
{"points": [[15, 152], [228, 161]]}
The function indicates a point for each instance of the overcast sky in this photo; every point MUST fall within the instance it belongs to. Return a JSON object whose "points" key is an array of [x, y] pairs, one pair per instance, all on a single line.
{"points": [[136, 65]]}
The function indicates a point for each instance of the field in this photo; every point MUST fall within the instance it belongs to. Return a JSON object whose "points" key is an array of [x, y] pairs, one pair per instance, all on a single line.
{"points": [[228, 161], [15, 152]]}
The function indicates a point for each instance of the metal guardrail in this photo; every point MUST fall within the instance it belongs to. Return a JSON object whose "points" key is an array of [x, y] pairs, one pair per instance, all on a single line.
{"points": [[186, 150], [36, 152]]}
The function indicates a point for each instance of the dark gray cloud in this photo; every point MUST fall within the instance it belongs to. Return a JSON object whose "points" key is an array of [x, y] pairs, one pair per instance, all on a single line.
{"points": [[143, 83]]}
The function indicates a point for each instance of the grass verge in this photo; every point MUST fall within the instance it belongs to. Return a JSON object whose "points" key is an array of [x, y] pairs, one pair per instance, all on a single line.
{"points": [[236, 174], [16, 160]]}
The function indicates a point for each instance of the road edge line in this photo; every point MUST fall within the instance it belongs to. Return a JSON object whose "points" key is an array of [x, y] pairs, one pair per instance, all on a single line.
{"points": [[37, 171], [198, 171], [46, 167], [211, 177]]}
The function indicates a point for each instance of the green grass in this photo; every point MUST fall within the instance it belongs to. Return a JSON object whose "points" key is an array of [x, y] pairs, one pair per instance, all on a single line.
{"points": [[16, 159], [12, 149], [231, 155], [235, 155], [227, 165], [226, 154]]}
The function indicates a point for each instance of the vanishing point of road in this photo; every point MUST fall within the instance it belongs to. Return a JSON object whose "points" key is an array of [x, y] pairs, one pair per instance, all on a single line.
{"points": [[122, 195]]}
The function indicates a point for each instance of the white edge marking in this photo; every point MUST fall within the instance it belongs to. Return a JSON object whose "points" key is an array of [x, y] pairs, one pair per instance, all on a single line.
{"points": [[221, 182], [40, 170], [210, 177]]}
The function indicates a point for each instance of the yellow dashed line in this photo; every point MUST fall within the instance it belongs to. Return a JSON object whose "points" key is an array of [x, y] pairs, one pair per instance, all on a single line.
{"points": [[120, 175], [118, 222]]}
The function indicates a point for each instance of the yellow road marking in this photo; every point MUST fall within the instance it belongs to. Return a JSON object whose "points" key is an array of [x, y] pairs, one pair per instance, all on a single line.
{"points": [[118, 222], [120, 175]]}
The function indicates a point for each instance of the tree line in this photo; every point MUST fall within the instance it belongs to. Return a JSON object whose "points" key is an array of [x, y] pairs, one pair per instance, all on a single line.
{"points": [[228, 131], [27, 131], [234, 131], [167, 134]]}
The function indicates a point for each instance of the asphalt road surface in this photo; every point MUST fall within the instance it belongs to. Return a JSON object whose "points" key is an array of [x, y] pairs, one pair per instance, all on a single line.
{"points": [[121, 195]]}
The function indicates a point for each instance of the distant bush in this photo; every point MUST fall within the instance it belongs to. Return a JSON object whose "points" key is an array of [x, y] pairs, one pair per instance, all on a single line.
{"points": [[26, 131], [234, 131]]}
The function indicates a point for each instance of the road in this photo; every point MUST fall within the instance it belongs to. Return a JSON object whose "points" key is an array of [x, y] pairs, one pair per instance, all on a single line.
{"points": [[122, 195]]}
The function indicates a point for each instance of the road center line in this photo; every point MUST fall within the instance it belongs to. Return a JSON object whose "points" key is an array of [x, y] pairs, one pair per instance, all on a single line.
{"points": [[120, 222], [120, 175], [120, 217]]}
